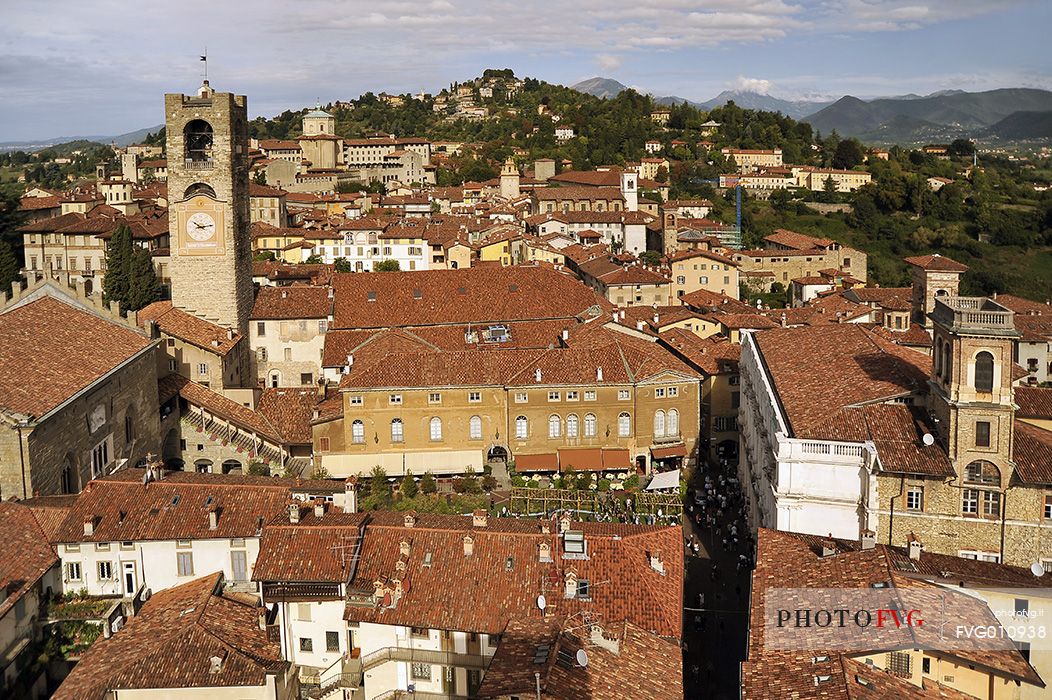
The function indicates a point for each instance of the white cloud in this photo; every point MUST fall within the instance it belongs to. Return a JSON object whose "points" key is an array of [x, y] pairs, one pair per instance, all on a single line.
{"points": [[608, 61], [753, 85]]}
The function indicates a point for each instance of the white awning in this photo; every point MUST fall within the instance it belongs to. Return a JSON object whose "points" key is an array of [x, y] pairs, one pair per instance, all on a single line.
{"points": [[664, 480], [397, 463]]}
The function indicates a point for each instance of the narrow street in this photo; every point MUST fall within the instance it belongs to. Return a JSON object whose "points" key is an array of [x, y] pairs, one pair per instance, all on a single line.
{"points": [[716, 589]]}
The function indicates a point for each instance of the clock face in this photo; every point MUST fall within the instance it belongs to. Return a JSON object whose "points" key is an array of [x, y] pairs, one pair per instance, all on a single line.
{"points": [[201, 226]]}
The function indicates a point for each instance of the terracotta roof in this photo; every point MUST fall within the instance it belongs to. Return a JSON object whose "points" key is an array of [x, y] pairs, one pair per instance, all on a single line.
{"points": [[1024, 306], [37, 341], [1034, 402], [897, 431], [278, 145], [936, 262], [705, 300], [187, 327], [25, 551], [38, 203], [1032, 454], [708, 254], [123, 508], [578, 193], [171, 642], [890, 298], [712, 355], [50, 512], [388, 299], [294, 302], [229, 410], [290, 411], [257, 190], [799, 241], [794, 561], [1034, 329], [818, 370], [643, 665]]}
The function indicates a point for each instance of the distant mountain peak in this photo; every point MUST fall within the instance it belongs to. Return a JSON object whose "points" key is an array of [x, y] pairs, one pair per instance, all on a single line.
{"points": [[600, 87]]}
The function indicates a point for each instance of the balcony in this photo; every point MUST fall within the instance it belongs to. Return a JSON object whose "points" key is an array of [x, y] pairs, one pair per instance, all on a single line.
{"points": [[346, 672], [424, 656], [974, 315], [194, 164]]}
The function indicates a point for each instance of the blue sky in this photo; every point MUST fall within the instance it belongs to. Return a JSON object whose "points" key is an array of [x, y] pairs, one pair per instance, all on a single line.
{"points": [[101, 66]]}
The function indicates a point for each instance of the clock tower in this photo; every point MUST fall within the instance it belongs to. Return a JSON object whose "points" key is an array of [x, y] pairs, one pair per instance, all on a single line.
{"points": [[208, 217]]}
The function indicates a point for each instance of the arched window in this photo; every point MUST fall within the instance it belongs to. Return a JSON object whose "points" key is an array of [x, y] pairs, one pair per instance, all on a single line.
{"points": [[358, 432], [571, 425], [589, 425], [197, 140], [199, 188], [659, 424], [982, 472], [475, 428], [372, 239], [672, 426], [624, 425], [436, 428], [984, 372], [397, 435], [231, 466], [203, 466], [555, 425], [522, 427]]}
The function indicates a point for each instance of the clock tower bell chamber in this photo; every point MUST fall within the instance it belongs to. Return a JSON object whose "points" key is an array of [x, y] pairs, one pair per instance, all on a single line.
{"points": [[208, 216]]}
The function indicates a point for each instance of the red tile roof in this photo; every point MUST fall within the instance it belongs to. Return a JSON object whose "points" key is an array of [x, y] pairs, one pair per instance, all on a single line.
{"points": [[1034, 402], [388, 299], [25, 551], [1032, 454], [231, 411], [37, 341], [171, 642], [123, 508], [936, 262], [187, 327], [799, 241], [292, 303], [290, 411]]}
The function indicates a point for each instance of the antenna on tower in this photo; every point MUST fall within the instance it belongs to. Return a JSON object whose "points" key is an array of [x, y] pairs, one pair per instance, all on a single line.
{"points": [[204, 58]]}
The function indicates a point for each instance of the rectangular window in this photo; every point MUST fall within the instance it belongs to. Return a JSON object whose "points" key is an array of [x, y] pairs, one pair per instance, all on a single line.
{"points": [[261, 328], [105, 571], [623, 395], [571, 396], [184, 563], [434, 397], [982, 433], [521, 397], [1022, 607], [583, 589], [970, 502], [419, 632], [589, 396], [323, 444], [332, 641], [474, 397], [127, 545], [673, 391], [323, 325], [991, 504], [553, 395], [421, 672], [202, 369], [915, 498], [356, 400], [659, 393], [306, 644], [306, 379], [171, 366], [73, 570], [899, 664], [102, 546], [394, 399], [1048, 507], [288, 354]]}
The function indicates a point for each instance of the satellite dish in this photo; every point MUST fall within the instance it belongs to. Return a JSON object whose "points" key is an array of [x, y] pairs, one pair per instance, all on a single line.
{"points": [[928, 439], [541, 602], [1037, 569], [582, 658]]}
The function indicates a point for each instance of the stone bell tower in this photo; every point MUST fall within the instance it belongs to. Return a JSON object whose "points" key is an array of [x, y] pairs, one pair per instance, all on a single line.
{"points": [[211, 258]]}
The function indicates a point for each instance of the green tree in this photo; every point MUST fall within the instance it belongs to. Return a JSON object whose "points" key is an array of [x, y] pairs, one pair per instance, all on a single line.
{"points": [[314, 259], [408, 486], [9, 266], [427, 483], [378, 485], [961, 148], [143, 286], [386, 266], [260, 178], [650, 257], [848, 154], [264, 256], [342, 264], [471, 481], [116, 283]]}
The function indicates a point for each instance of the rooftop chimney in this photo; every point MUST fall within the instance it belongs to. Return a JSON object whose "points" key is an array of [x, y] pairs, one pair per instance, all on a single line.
{"points": [[564, 522], [229, 333], [216, 665], [868, 540], [915, 546], [546, 527], [639, 325], [319, 508], [284, 294], [598, 374], [469, 545], [409, 520], [566, 334], [537, 375], [213, 518], [89, 525], [294, 512], [403, 547], [544, 552], [828, 546], [478, 518], [656, 562], [598, 638], [350, 495], [570, 581]]}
